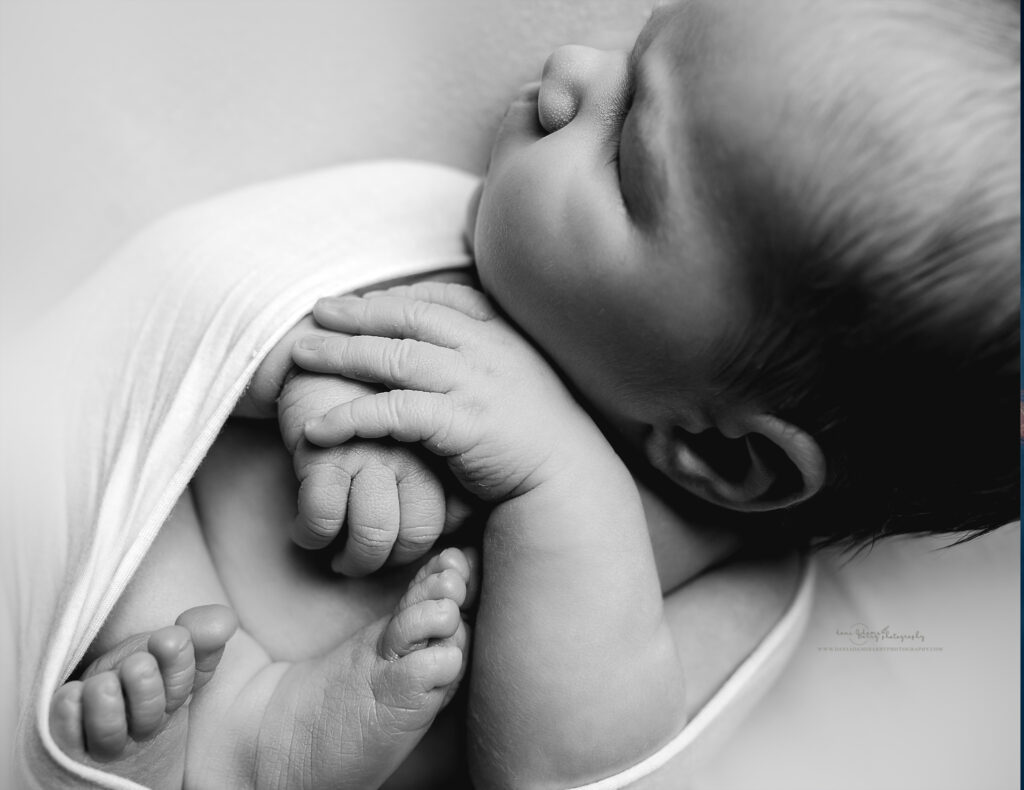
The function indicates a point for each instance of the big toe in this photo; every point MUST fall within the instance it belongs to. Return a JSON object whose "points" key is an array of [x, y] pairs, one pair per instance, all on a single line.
{"points": [[210, 627], [414, 627], [419, 682]]}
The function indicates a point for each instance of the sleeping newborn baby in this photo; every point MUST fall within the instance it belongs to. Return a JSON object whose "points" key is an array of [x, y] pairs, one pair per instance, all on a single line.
{"points": [[691, 231]]}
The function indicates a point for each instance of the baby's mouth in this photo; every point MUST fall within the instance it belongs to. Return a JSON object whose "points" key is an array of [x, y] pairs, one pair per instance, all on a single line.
{"points": [[520, 126]]}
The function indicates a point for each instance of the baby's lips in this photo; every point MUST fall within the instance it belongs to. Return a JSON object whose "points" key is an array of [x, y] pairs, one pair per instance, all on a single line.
{"points": [[525, 99], [520, 126]]}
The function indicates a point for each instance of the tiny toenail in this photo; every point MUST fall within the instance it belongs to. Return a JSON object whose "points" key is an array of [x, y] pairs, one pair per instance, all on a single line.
{"points": [[311, 343]]}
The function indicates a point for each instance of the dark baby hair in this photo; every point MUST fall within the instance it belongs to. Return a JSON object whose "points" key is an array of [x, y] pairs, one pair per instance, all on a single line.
{"points": [[886, 298]]}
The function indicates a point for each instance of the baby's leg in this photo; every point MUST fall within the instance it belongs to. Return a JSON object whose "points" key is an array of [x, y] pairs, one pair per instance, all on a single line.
{"points": [[351, 717], [129, 711]]}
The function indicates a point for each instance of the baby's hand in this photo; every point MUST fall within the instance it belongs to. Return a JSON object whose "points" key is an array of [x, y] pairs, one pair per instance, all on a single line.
{"points": [[462, 382], [389, 499]]}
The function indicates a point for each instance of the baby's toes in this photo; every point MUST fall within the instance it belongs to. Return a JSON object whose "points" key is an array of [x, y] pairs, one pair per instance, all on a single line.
{"points": [[432, 671], [449, 574], [460, 640], [414, 627], [103, 716], [211, 627], [66, 718], [172, 648], [143, 688], [447, 583]]}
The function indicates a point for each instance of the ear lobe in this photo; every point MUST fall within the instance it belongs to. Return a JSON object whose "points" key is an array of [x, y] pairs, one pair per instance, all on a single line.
{"points": [[753, 463]]}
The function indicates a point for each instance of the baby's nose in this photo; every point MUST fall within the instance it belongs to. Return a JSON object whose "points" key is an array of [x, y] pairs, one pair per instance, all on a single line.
{"points": [[576, 77]]}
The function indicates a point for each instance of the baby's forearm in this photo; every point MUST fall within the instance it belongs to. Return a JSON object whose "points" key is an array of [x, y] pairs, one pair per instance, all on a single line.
{"points": [[575, 673]]}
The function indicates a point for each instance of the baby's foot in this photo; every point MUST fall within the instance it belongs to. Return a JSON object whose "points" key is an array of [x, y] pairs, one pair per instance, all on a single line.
{"points": [[138, 691], [370, 701]]}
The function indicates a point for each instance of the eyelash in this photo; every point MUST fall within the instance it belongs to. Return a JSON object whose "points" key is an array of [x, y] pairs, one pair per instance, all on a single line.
{"points": [[619, 122]]}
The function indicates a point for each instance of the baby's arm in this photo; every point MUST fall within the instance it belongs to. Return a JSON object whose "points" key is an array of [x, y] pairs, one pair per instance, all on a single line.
{"points": [[575, 672]]}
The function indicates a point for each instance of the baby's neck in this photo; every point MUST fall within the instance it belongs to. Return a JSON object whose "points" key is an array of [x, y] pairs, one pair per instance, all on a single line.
{"points": [[688, 536]]}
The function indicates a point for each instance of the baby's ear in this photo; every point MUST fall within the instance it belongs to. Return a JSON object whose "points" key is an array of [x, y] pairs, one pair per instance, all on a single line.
{"points": [[751, 463]]}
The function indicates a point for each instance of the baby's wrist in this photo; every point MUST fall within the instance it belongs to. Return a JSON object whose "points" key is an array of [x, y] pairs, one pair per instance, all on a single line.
{"points": [[585, 463], [580, 482]]}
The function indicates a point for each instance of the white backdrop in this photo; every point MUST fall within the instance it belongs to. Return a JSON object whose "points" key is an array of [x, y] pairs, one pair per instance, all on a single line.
{"points": [[113, 112]]}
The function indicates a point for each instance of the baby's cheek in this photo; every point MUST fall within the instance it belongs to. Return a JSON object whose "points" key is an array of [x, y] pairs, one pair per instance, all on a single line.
{"points": [[520, 233]]}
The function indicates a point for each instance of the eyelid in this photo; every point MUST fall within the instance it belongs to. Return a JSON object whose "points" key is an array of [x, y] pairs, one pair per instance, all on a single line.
{"points": [[624, 108], [632, 70], [616, 119]]}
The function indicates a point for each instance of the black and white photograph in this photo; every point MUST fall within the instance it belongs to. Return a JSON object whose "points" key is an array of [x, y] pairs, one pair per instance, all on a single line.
{"points": [[510, 394]]}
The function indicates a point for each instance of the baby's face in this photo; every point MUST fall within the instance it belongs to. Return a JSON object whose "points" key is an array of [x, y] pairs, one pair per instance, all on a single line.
{"points": [[614, 224], [599, 228]]}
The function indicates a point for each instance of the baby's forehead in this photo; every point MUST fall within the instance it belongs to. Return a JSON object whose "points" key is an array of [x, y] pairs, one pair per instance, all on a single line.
{"points": [[759, 63], [816, 104], [710, 35]]}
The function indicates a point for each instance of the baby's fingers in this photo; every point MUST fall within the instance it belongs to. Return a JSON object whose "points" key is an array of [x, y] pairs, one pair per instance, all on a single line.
{"points": [[421, 498], [399, 364], [454, 295], [395, 316], [323, 503], [405, 415], [373, 522]]}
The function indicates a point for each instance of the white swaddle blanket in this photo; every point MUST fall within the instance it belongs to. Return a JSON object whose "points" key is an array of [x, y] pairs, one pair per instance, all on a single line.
{"points": [[117, 395], [111, 400]]}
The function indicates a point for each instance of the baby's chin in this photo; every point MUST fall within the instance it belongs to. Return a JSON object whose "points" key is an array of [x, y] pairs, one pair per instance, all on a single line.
{"points": [[469, 231]]}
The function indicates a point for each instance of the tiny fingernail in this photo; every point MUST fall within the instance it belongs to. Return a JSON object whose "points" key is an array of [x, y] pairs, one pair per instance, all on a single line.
{"points": [[309, 424], [311, 343], [337, 302]]}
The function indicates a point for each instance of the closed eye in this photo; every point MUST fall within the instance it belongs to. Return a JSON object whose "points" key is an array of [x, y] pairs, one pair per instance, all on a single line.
{"points": [[618, 121]]}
